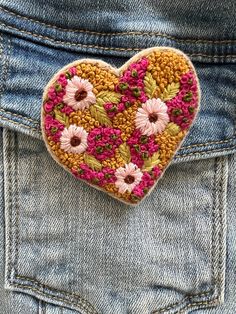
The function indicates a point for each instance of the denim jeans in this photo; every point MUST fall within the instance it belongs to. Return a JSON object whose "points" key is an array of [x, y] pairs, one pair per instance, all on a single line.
{"points": [[68, 248]]}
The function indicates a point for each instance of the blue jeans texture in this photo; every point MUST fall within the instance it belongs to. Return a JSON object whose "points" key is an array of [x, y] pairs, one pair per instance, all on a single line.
{"points": [[68, 248]]}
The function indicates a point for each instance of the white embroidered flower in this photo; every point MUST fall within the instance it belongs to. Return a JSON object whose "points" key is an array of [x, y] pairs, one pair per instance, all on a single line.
{"points": [[79, 93], [152, 118], [74, 139], [128, 177]]}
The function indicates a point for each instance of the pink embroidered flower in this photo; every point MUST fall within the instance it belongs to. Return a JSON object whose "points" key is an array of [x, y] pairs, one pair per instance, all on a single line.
{"points": [[127, 177], [156, 172], [147, 182], [106, 175], [53, 128], [67, 110], [141, 147], [48, 106], [131, 84], [103, 141], [111, 109], [182, 107], [79, 93], [52, 93], [62, 80], [152, 118], [74, 139], [73, 71]]}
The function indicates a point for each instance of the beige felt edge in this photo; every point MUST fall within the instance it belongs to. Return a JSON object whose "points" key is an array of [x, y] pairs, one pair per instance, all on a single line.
{"points": [[118, 71]]}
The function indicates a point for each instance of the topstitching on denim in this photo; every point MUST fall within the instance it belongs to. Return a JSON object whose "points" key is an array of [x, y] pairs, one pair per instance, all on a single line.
{"points": [[190, 301]]}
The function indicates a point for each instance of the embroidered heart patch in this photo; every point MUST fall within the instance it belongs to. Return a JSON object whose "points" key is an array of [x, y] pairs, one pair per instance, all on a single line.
{"points": [[118, 129]]}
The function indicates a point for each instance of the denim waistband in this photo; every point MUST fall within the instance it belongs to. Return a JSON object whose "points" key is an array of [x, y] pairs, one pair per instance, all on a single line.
{"points": [[205, 32]]}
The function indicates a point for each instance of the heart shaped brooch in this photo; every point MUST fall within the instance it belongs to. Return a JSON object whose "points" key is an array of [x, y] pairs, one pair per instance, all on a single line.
{"points": [[118, 129]]}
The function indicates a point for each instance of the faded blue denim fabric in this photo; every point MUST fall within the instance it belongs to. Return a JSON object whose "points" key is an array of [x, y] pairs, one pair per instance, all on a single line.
{"points": [[68, 248]]}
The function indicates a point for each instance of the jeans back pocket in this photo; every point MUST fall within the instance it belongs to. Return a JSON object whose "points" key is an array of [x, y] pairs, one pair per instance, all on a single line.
{"points": [[76, 247]]}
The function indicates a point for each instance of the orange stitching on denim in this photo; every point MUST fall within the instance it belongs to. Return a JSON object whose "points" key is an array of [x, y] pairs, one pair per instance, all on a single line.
{"points": [[13, 265], [19, 116], [9, 248], [69, 302], [222, 204], [205, 303], [187, 297], [120, 33], [20, 124], [209, 143], [76, 304], [75, 295], [208, 152], [45, 286], [17, 205], [106, 48], [216, 280]]}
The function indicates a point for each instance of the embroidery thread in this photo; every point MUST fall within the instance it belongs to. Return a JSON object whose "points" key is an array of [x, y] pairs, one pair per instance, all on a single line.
{"points": [[118, 129]]}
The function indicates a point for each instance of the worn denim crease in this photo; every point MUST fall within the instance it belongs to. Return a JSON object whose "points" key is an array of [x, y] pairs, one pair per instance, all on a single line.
{"points": [[231, 56], [118, 33]]}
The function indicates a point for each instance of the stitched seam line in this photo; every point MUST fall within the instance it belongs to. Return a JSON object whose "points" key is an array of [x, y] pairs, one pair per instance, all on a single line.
{"points": [[213, 302], [5, 65], [119, 33], [179, 156], [75, 295], [218, 193], [187, 297], [209, 143], [20, 124], [17, 231], [19, 116], [214, 231], [107, 48], [216, 281], [9, 207], [69, 302], [207, 152], [222, 202], [13, 264]]}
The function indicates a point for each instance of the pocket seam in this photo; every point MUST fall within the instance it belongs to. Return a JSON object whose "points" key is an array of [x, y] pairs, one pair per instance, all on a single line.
{"points": [[227, 140], [218, 259], [13, 234], [229, 41], [56, 41], [217, 189]]}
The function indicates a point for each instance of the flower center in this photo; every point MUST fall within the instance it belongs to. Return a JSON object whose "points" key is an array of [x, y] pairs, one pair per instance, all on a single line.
{"points": [[75, 141], [153, 117], [129, 179], [80, 95]]}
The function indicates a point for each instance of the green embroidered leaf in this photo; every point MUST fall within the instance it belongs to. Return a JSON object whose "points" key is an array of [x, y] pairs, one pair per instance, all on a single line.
{"points": [[92, 162], [61, 117], [170, 91], [125, 152], [150, 85], [172, 128], [151, 162], [108, 96], [99, 113]]}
